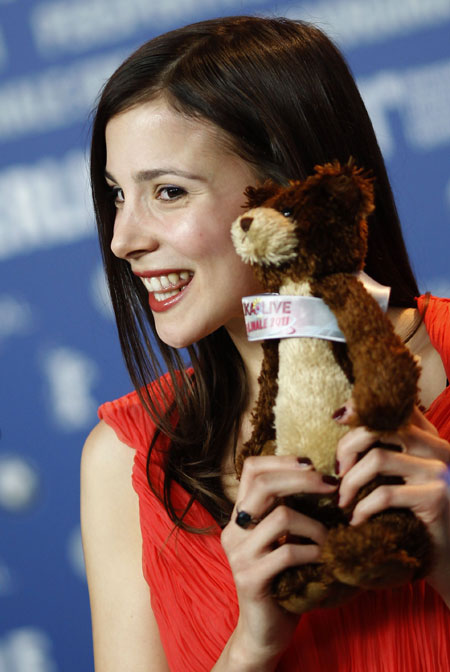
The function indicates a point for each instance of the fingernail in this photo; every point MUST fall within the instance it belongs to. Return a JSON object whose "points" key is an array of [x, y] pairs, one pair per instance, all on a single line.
{"points": [[337, 415], [305, 461], [337, 466], [330, 480]]}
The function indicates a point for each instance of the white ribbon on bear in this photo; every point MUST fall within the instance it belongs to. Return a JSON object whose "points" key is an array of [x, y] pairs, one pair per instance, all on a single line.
{"points": [[290, 316]]}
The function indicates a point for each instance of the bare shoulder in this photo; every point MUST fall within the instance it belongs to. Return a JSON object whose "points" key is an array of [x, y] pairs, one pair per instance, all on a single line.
{"points": [[108, 501], [103, 450], [125, 632]]}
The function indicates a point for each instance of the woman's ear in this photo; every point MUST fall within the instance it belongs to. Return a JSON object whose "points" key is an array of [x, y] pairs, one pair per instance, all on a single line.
{"points": [[256, 196]]}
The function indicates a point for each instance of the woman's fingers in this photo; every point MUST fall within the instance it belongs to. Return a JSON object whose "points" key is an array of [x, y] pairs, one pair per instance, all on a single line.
{"points": [[254, 552], [256, 577], [423, 465], [345, 414], [265, 480], [284, 521], [414, 470], [419, 419], [422, 443], [426, 500], [287, 555], [260, 548], [419, 439], [353, 443]]}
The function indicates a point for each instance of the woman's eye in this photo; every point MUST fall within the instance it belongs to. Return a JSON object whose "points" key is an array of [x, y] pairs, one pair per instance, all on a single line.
{"points": [[170, 193], [117, 195]]}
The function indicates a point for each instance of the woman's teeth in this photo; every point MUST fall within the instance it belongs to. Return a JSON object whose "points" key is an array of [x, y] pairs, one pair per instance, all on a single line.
{"points": [[161, 297], [162, 286]]}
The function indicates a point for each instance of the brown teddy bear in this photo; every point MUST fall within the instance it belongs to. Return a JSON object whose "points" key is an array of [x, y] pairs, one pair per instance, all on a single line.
{"points": [[309, 239]]}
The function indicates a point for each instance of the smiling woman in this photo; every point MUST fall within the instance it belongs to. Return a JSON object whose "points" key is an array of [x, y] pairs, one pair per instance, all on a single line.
{"points": [[172, 223], [184, 125]]}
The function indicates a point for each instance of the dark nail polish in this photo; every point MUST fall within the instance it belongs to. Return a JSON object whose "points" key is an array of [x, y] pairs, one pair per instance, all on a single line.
{"points": [[337, 467], [330, 480], [304, 460], [337, 415]]}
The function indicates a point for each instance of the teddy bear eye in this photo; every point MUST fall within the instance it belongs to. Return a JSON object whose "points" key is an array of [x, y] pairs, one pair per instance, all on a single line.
{"points": [[287, 212]]}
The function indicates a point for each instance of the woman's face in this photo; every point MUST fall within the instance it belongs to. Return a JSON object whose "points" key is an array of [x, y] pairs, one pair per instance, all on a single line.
{"points": [[177, 189]]}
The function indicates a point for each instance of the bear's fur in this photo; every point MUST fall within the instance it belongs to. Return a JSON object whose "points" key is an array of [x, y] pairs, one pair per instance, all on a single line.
{"points": [[310, 238]]}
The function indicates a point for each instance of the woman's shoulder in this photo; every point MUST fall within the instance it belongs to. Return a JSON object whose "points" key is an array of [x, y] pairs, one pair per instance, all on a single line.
{"points": [[129, 417], [436, 311], [103, 448]]}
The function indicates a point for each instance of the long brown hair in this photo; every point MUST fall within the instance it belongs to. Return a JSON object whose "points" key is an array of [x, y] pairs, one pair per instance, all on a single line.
{"points": [[286, 100]]}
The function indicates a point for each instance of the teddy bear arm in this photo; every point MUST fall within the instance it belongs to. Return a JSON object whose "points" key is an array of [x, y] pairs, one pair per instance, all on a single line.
{"points": [[385, 372]]}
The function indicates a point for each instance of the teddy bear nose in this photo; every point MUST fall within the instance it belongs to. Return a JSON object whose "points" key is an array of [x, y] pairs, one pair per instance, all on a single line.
{"points": [[246, 222]]}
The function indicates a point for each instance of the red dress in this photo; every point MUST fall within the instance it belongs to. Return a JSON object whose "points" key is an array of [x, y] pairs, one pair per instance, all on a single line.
{"points": [[192, 590]]}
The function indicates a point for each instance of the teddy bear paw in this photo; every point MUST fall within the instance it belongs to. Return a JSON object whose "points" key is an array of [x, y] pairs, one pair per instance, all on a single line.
{"points": [[368, 557], [300, 589]]}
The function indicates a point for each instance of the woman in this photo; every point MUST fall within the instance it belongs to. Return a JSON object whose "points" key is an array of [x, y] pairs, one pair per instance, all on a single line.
{"points": [[182, 127]]}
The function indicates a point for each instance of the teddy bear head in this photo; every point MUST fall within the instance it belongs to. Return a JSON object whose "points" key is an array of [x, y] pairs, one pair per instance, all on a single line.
{"points": [[306, 229]]}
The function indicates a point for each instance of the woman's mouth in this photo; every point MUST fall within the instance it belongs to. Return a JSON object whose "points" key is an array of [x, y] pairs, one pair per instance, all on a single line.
{"points": [[166, 289]]}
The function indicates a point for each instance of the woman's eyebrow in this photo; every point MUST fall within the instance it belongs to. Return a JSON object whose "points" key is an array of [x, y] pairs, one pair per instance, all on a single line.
{"points": [[109, 176], [146, 175]]}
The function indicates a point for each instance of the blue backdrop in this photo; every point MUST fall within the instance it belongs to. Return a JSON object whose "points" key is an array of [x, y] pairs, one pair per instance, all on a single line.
{"points": [[58, 346]]}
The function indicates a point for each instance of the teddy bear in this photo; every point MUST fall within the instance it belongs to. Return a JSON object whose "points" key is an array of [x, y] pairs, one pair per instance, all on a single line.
{"points": [[308, 240]]}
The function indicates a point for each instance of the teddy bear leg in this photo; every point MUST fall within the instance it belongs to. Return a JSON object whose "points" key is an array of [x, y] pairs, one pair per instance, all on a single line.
{"points": [[300, 589], [390, 549]]}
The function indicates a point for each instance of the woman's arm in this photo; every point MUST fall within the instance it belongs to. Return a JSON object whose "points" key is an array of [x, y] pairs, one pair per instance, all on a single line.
{"points": [[125, 632], [264, 629]]}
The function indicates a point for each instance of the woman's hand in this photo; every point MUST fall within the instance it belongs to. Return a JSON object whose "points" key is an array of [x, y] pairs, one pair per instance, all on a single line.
{"points": [[423, 464], [265, 629]]}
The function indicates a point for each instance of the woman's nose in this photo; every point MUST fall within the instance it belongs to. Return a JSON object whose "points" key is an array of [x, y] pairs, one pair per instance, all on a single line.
{"points": [[132, 236]]}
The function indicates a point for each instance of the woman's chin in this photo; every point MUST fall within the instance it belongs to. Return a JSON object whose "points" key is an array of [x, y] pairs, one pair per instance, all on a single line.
{"points": [[176, 338]]}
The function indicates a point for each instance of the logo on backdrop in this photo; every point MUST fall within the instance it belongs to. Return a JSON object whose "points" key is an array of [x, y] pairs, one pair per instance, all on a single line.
{"points": [[19, 483], [70, 377], [353, 24], [420, 99], [16, 317], [44, 204], [27, 650]]}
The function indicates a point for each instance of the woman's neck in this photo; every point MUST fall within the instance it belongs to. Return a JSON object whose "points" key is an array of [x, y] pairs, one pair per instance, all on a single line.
{"points": [[252, 356]]}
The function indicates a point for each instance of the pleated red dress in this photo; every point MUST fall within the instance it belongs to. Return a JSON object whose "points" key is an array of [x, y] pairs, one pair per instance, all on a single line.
{"points": [[192, 590]]}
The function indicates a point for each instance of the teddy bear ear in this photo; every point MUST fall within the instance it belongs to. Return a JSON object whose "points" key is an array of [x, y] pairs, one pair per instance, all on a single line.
{"points": [[256, 196], [345, 184]]}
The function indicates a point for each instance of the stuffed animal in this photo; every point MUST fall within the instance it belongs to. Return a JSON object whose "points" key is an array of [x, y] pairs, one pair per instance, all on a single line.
{"points": [[309, 239]]}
